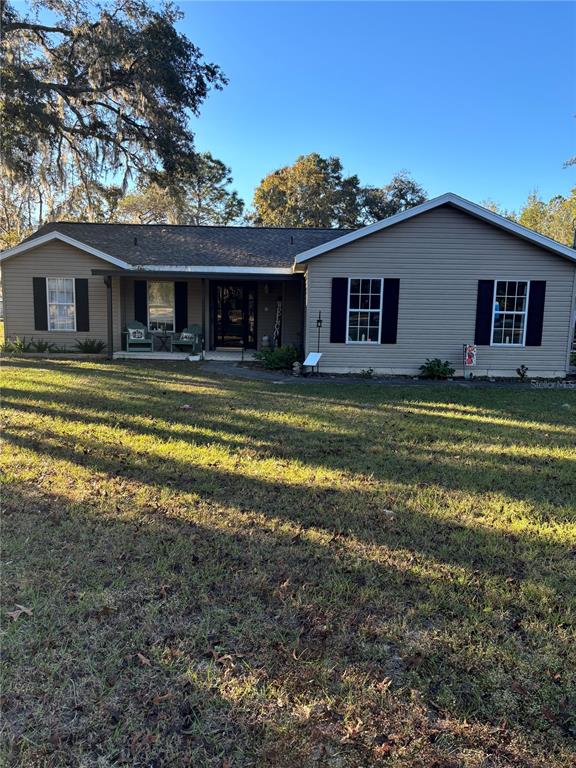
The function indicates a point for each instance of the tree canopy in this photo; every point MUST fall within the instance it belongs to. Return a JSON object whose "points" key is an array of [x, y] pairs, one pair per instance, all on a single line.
{"points": [[555, 218], [401, 193], [314, 192], [98, 89], [201, 196]]}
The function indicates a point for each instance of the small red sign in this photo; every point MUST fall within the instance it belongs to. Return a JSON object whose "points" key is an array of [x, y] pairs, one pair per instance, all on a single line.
{"points": [[469, 355]]}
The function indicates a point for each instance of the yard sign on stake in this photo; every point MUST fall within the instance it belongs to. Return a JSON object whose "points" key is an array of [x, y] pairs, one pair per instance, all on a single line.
{"points": [[469, 359]]}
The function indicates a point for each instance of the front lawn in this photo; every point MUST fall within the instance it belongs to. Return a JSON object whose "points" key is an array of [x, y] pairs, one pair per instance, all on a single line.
{"points": [[210, 572]]}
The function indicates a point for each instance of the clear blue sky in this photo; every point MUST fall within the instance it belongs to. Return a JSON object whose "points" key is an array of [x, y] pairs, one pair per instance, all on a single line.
{"points": [[472, 98]]}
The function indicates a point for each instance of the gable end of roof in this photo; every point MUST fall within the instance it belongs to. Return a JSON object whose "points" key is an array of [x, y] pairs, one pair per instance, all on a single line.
{"points": [[448, 199], [28, 245]]}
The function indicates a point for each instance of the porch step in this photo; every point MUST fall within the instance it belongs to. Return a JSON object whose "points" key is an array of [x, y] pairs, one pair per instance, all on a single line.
{"points": [[230, 355], [155, 356]]}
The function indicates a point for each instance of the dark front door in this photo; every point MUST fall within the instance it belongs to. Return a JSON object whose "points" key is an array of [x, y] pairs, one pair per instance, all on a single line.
{"points": [[235, 315]]}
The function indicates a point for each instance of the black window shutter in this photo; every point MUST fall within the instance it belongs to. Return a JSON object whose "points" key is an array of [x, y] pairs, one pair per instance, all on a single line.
{"points": [[181, 305], [484, 311], [389, 331], [82, 307], [338, 310], [40, 304], [535, 320], [141, 301]]}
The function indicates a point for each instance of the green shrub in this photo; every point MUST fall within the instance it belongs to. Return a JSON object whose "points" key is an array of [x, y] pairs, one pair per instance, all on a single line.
{"points": [[18, 345], [522, 372], [279, 359], [90, 346], [436, 369], [43, 346]]}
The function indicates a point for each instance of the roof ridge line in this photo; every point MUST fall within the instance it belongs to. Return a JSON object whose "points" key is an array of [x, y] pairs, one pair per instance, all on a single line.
{"points": [[192, 226]]}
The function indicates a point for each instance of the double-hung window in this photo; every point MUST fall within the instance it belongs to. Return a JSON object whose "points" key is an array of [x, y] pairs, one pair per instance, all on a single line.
{"points": [[161, 306], [510, 312], [61, 303], [364, 317]]}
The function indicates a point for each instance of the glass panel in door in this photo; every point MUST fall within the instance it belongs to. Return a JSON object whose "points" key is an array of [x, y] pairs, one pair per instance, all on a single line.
{"points": [[235, 315]]}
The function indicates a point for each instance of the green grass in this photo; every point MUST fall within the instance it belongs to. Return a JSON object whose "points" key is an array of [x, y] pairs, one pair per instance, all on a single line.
{"points": [[284, 575]]}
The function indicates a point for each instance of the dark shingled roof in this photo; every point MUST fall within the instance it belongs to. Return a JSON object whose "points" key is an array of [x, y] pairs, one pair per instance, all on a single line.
{"points": [[175, 245]]}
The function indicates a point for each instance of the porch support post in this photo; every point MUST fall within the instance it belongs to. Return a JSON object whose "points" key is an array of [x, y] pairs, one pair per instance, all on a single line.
{"points": [[204, 340], [108, 282], [283, 315], [302, 317]]}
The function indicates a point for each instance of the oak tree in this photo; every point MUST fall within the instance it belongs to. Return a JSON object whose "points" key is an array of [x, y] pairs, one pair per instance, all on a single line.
{"points": [[92, 89], [314, 192]]}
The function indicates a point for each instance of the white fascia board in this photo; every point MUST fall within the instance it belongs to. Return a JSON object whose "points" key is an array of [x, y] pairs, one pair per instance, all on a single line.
{"points": [[37, 241], [215, 270], [457, 202]]}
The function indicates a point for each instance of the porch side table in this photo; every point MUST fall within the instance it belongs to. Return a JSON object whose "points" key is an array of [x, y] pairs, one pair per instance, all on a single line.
{"points": [[163, 341]]}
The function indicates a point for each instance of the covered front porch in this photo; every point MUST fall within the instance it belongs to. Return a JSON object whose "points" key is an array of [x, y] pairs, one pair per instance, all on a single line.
{"points": [[236, 312]]}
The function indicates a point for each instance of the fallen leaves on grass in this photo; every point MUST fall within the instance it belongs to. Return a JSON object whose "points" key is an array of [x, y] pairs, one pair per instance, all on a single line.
{"points": [[21, 610], [159, 698], [141, 741]]}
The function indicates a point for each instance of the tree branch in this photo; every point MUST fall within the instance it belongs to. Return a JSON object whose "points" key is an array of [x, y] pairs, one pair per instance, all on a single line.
{"points": [[13, 26]]}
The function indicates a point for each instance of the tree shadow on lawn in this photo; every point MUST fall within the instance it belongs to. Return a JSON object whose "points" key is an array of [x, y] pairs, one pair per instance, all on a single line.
{"points": [[257, 646], [385, 448], [358, 511], [422, 599], [116, 665], [489, 558], [142, 374]]}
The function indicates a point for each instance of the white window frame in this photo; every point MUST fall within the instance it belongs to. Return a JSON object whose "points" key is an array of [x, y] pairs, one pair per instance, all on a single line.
{"points": [[48, 302], [348, 310], [169, 282], [525, 312]]}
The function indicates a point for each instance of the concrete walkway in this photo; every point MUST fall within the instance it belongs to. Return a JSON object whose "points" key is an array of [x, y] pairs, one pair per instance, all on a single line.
{"points": [[239, 371]]}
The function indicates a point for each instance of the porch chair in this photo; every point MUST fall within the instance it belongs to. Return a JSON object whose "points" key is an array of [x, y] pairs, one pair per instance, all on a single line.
{"points": [[189, 340], [138, 338]]}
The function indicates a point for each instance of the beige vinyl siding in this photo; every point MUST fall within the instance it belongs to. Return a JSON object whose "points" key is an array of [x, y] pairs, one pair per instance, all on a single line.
{"points": [[439, 257], [56, 259]]}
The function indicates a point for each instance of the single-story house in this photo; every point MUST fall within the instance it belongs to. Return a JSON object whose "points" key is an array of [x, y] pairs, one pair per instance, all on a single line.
{"points": [[420, 284]]}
